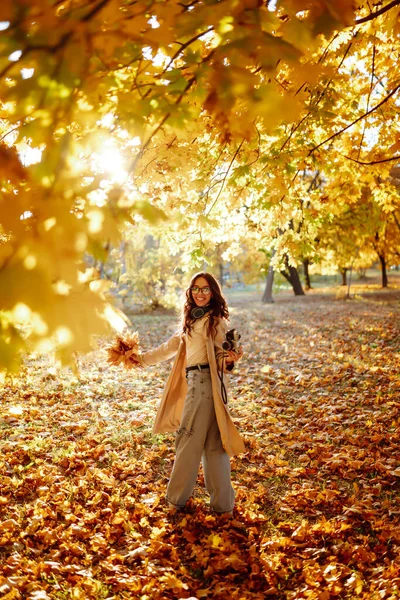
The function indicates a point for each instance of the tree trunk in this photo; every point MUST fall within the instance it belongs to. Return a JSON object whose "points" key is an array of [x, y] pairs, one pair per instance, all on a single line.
{"points": [[122, 254], [384, 271], [348, 287], [221, 273], [267, 295], [306, 264], [343, 273], [292, 276]]}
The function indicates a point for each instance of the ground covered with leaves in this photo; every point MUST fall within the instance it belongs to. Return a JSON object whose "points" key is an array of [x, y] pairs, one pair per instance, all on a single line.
{"points": [[316, 397]]}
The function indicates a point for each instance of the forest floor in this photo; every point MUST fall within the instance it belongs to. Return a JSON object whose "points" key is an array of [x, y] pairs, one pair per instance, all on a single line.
{"points": [[316, 398]]}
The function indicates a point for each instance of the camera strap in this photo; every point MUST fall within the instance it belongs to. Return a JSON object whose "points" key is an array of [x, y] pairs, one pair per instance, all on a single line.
{"points": [[224, 393]]}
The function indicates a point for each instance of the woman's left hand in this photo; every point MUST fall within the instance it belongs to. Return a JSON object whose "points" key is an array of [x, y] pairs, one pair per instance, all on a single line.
{"points": [[234, 355]]}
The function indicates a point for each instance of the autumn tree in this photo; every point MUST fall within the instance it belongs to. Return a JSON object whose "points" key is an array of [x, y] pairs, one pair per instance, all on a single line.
{"points": [[236, 96]]}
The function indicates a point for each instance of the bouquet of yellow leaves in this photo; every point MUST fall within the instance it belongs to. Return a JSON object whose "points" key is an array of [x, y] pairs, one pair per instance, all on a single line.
{"points": [[125, 351]]}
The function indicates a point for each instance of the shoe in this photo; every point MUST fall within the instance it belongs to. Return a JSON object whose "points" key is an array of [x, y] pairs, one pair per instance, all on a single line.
{"points": [[173, 508]]}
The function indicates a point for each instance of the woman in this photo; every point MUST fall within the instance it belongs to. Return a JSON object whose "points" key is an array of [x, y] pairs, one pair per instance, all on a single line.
{"points": [[193, 401]]}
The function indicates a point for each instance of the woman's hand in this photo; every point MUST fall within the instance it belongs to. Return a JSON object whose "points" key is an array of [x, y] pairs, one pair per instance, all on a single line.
{"points": [[232, 356], [133, 361]]}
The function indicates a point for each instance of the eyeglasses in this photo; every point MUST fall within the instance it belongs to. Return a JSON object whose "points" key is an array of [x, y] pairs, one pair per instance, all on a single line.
{"points": [[205, 290]]}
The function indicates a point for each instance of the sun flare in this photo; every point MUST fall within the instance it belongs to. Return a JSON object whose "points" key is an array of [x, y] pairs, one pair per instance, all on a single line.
{"points": [[110, 162]]}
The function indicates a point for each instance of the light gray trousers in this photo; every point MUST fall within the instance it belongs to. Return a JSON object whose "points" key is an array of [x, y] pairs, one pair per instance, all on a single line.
{"points": [[199, 439]]}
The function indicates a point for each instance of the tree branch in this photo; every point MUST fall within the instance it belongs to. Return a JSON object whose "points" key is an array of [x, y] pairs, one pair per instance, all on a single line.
{"points": [[165, 118], [371, 85], [378, 13], [16, 128], [372, 162], [185, 45], [366, 114], [160, 124], [396, 219], [224, 179], [313, 182], [59, 45], [294, 128]]}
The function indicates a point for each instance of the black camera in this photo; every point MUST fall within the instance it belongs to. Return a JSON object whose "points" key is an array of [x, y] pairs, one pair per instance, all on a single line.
{"points": [[231, 341]]}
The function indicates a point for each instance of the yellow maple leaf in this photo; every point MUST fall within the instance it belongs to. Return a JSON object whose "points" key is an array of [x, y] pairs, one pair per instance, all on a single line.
{"points": [[215, 540]]}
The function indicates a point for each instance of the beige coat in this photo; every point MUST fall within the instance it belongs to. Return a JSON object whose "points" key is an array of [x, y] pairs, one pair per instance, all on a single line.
{"points": [[171, 408]]}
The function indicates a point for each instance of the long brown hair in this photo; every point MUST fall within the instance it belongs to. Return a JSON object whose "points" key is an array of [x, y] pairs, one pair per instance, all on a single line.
{"points": [[218, 305]]}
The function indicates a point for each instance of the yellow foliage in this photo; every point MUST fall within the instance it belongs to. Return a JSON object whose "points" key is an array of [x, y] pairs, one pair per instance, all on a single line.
{"points": [[135, 25], [11, 168], [235, 110], [106, 44], [7, 10], [342, 10]]}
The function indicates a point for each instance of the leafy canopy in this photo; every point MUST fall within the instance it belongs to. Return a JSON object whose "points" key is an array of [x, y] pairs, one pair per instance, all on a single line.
{"points": [[113, 111]]}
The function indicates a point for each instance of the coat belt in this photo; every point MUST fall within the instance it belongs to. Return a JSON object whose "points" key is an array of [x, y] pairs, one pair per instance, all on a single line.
{"points": [[197, 368]]}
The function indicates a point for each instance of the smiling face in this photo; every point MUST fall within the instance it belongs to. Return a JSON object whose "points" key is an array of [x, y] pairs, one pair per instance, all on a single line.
{"points": [[201, 298]]}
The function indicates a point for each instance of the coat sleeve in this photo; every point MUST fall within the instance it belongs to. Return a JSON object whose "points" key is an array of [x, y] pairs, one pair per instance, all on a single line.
{"points": [[162, 352], [222, 328]]}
